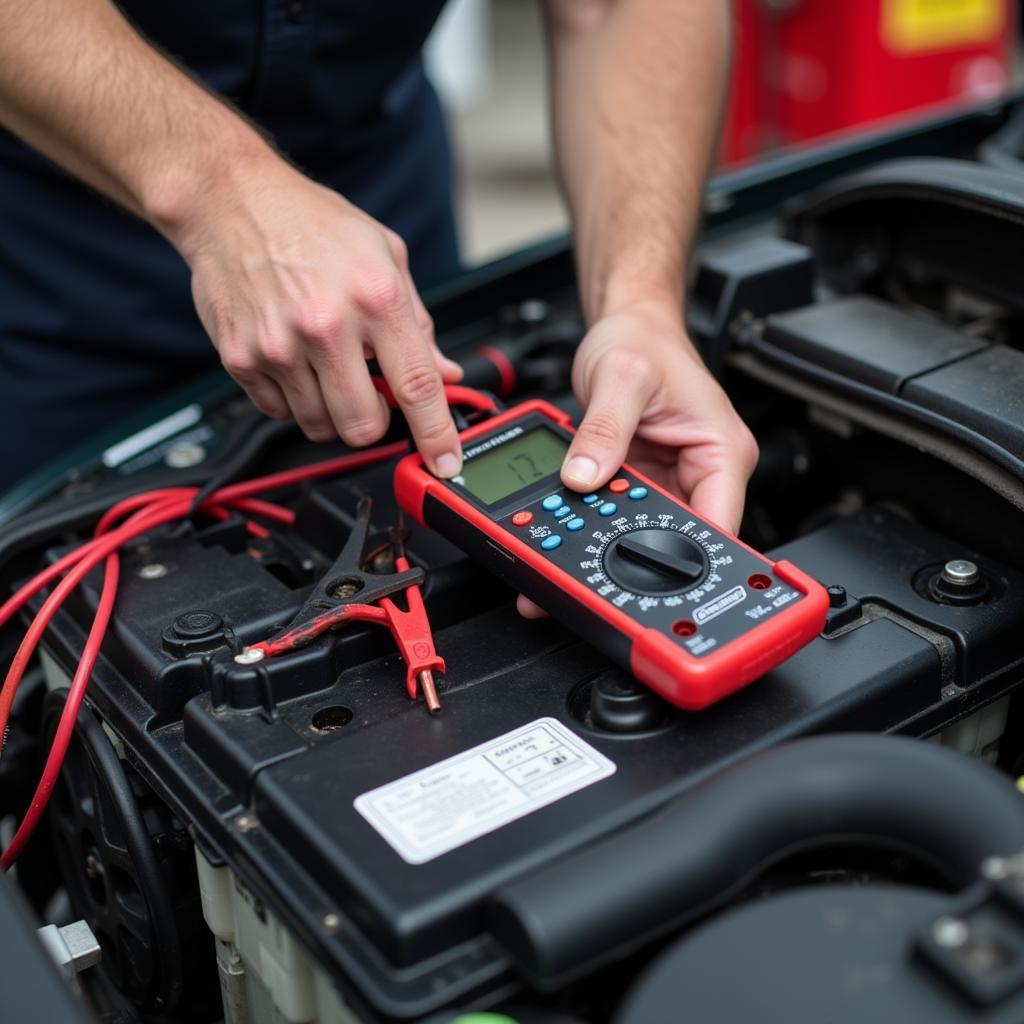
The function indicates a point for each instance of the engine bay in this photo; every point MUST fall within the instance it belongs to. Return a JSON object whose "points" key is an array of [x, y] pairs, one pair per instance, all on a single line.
{"points": [[237, 834]]}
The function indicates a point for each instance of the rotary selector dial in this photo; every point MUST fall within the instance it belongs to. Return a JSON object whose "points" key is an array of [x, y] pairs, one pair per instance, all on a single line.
{"points": [[654, 561]]}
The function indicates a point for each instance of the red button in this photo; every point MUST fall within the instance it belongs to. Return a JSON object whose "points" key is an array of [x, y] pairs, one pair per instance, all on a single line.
{"points": [[618, 486], [523, 518]]}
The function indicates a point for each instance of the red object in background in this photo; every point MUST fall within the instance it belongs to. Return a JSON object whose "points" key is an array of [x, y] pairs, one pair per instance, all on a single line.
{"points": [[806, 68], [749, 119]]}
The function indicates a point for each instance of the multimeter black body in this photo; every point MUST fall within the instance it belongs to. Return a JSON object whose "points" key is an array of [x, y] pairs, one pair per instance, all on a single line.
{"points": [[687, 608]]}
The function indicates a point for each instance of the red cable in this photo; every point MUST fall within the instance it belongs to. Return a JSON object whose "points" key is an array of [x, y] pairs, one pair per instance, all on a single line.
{"points": [[98, 550], [149, 510], [232, 495], [68, 716], [253, 529], [470, 397], [455, 394], [504, 366], [278, 513], [89, 555], [85, 558], [290, 477], [137, 501], [141, 522]]}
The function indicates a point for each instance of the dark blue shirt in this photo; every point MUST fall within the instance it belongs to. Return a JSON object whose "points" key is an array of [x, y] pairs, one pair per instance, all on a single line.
{"points": [[95, 307]]}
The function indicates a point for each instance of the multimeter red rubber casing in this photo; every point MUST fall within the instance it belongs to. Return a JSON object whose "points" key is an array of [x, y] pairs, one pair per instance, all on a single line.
{"points": [[690, 610]]}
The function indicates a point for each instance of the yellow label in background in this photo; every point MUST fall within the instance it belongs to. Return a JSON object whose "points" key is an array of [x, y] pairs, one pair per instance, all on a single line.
{"points": [[911, 26]]}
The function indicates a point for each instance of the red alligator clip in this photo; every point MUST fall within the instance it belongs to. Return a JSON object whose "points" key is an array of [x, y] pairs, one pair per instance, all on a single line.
{"points": [[415, 641], [332, 603]]}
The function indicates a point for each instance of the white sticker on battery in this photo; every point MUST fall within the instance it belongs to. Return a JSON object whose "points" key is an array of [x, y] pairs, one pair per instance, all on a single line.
{"points": [[455, 801]]}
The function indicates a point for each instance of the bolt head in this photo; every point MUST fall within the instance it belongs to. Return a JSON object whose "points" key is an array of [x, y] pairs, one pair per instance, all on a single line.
{"points": [[92, 866], [250, 656], [152, 571], [345, 588], [961, 572]]}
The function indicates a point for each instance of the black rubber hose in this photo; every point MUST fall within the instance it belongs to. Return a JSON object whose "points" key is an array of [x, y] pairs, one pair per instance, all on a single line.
{"points": [[944, 809]]}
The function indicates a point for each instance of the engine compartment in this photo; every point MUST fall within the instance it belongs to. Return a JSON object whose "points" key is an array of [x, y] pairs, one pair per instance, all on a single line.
{"points": [[206, 824]]}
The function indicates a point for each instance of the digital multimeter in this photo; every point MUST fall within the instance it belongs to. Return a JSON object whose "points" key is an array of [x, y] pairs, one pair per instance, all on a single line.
{"points": [[687, 608]]}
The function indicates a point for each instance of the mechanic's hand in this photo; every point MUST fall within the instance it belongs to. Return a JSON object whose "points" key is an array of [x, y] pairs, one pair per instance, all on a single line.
{"points": [[297, 288], [650, 401]]}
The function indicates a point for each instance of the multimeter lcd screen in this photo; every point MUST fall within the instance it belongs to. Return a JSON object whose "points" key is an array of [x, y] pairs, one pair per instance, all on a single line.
{"points": [[514, 465]]}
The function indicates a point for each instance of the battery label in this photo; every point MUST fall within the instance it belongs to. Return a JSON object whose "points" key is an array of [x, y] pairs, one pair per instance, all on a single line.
{"points": [[455, 801]]}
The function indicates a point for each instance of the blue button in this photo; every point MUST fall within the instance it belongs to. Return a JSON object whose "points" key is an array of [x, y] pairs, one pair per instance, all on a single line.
{"points": [[637, 493], [591, 499], [575, 524], [551, 502], [563, 511], [609, 508], [550, 543]]}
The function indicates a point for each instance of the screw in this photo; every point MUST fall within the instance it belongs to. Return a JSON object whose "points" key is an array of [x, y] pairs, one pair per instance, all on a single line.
{"points": [[185, 455], [92, 866], [332, 922], [961, 572], [950, 932], [245, 822], [344, 589], [836, 596], [153, 571], [249, 656]]}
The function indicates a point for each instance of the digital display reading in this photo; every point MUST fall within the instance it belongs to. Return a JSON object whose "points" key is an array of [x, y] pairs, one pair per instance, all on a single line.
{"points": [[514, 465]]}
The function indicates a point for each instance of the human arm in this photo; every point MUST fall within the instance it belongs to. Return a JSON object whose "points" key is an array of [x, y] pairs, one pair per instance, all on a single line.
{"points": [[294, 284], [637, 92]]}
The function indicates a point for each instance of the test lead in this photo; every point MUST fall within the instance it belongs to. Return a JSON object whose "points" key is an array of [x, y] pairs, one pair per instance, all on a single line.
{"points": [[426, 678]]}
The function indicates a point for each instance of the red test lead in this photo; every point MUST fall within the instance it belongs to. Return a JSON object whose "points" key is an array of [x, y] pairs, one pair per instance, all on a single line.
{"points": [[415, 640]]}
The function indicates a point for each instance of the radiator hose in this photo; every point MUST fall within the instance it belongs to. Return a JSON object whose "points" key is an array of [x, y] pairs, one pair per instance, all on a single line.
{"points": [[944, 809]]}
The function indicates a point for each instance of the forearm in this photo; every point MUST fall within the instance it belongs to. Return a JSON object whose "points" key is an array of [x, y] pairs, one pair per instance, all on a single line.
{"points": [[637, 95], [80, 85]]}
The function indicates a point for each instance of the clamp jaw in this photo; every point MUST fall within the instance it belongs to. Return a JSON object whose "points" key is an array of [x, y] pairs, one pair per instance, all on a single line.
{"points": [[349, 592]]}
